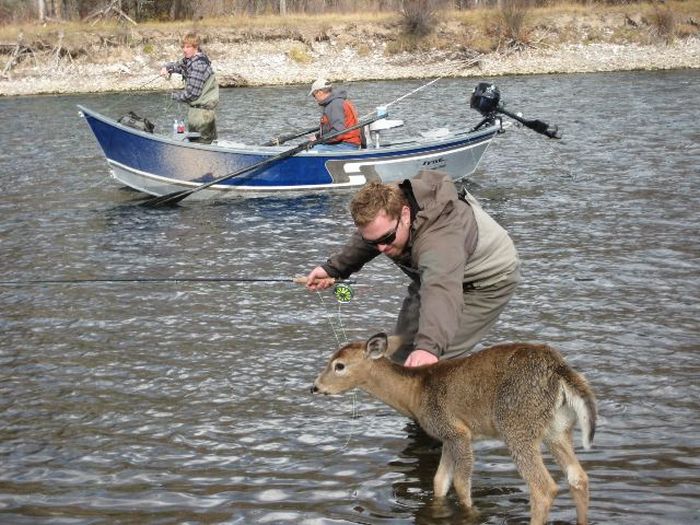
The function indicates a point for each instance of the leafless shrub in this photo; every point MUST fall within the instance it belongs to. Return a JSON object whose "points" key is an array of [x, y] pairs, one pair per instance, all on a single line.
{"points": [[512, 17], [663, 22], [419, 17]]}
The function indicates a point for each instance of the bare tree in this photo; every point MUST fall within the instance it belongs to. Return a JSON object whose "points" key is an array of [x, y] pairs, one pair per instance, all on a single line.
{"points": [[41, 4]]}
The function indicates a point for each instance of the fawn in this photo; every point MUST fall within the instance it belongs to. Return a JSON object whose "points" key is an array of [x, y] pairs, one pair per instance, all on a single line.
{"points": [[521, 393]]}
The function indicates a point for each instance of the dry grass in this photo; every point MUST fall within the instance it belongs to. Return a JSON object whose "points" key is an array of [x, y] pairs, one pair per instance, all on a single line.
{"points": [[299, 54], [11, 32], [246, 22], [482, 29]]}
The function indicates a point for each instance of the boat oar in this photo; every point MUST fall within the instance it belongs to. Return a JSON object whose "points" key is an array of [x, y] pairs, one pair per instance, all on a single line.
{"points": [[284, 138], [536, 125], [175, 197]]}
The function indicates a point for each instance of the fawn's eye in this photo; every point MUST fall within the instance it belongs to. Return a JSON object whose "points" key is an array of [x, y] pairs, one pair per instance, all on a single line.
{"points": [[339, 367]]}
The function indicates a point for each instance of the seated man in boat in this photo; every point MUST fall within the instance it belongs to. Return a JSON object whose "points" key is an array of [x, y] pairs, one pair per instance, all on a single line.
{"points": [[462, 264], [338, 114], [201, 91]]}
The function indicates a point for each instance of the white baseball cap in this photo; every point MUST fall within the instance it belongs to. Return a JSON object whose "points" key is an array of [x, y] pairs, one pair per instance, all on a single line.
{"points": [[319, 83]]}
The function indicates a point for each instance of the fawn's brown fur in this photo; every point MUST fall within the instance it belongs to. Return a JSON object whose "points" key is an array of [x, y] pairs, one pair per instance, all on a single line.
{"points": [[523, 394]]}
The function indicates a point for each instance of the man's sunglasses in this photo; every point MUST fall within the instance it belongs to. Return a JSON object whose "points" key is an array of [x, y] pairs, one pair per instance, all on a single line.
{"points": [[384, 239]]}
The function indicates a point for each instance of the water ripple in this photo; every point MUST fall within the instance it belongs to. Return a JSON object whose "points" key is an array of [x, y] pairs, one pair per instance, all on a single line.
{"points": [[189, 402]]}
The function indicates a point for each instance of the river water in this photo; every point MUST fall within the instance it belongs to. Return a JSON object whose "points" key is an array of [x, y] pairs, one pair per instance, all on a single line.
{"points": [[159, 403]]}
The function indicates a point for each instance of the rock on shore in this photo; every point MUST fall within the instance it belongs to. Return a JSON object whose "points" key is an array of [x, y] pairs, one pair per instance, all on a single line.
{"points": [[270, 63]]}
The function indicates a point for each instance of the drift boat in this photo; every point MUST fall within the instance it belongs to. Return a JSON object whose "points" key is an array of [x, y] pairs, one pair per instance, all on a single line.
{"points": [[163, 165]]}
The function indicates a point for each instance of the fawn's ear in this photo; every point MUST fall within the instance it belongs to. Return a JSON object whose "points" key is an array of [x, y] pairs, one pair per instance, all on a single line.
{"points": [[395, 343], [376, 346]]}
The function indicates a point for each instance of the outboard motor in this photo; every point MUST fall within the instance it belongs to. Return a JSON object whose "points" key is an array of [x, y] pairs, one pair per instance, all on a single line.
{"points": [[485, 99]]}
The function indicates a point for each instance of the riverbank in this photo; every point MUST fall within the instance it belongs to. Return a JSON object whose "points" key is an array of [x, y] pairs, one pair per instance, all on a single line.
{"points": [[125, 59]]}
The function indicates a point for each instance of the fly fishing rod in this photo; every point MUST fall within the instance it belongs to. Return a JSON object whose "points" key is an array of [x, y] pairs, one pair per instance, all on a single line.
{"points": [[341, 287], [295, 280]]}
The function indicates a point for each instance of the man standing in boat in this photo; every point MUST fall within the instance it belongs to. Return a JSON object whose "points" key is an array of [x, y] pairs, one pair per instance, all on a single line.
{"points": [[338, 114], [462, 264], [201, 91]]}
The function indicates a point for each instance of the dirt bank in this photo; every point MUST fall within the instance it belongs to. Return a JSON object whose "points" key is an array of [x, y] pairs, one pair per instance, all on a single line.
{"points": [[130, 58]]}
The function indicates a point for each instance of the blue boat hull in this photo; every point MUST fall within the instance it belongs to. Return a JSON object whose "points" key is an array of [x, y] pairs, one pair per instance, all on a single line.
{"points": [[158, 165]]}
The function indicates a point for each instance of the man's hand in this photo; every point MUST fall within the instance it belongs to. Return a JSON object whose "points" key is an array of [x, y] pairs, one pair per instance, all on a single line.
{"points": [[420, 357], [164, 73], [318, 279]]}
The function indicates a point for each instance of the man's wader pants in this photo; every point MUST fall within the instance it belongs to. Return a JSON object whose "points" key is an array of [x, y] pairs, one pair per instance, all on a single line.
{"points": [[480, 311]]}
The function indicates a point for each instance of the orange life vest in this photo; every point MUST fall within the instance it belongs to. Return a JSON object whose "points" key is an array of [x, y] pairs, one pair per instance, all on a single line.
{"points": [[351, 119]]}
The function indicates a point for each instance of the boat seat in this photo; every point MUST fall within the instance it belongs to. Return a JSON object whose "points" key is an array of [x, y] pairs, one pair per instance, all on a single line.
{"points": [[437, 133], [382, 125]]}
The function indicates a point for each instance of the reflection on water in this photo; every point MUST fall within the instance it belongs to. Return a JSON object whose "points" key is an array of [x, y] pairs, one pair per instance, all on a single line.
{"points": [[189, 402]]}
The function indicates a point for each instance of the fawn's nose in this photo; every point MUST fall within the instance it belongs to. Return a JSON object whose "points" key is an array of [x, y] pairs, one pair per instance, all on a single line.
{"points": [[314, 389]]}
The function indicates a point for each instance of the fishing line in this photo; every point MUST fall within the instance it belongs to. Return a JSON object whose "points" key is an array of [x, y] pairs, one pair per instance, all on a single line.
{"points": [[131, 92], [450, 72], [338, 341], [340, 324], [354, 415], [169, 100], [344, 294], [168, 103]]}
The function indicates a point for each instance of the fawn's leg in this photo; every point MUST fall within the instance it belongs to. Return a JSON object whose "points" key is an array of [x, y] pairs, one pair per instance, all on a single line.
{"points": [[445, 472], [459, 449], [528, 459], [562, 448]]}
